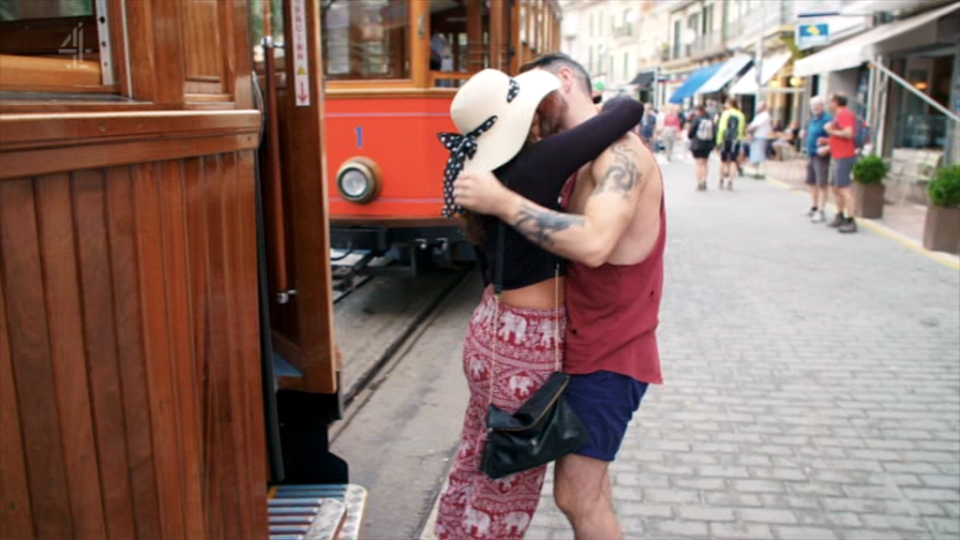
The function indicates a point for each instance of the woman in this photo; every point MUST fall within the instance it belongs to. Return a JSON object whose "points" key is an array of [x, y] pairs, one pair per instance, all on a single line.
{"points": [[702, 142], [672, 125], [513, 342]]}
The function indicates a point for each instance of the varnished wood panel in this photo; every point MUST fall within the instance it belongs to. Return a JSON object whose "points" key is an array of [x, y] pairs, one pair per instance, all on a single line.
{"points": [[202, 51], [121, 224], [16, 516], [59, 251], [133, 324], [99, 336], [32, 363]]}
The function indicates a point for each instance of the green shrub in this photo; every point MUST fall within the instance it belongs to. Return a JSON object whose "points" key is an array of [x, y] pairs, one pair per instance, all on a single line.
{"points": [[870, 170], [944, 189]]}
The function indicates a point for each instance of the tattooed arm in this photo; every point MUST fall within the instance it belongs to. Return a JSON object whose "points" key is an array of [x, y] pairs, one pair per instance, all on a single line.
{"points": [[589, 238]]}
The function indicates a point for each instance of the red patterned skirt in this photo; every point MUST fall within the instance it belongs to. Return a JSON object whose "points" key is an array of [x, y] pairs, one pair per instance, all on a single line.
{"points": [[474, 506]]}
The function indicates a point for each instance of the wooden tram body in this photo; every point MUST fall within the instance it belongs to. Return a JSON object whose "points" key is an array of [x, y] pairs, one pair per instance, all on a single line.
{"points": [[168, 199]]}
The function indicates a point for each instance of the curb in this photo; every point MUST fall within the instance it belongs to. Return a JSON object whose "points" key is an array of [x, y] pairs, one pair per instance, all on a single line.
{"points": [[950, 261]]}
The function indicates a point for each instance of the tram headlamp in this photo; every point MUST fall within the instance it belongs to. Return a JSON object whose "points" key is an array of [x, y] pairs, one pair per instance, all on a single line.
{"points": [[358, 180]]}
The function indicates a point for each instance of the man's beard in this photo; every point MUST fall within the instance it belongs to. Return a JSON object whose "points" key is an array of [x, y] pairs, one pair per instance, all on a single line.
{"points": [[551, 116]]}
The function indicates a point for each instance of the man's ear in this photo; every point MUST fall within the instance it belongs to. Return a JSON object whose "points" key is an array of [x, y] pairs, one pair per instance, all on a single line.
{"points": [[566, 79]]}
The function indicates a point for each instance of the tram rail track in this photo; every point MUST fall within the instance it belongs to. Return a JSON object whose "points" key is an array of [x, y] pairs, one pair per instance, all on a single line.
{"points": [[365, 364]]}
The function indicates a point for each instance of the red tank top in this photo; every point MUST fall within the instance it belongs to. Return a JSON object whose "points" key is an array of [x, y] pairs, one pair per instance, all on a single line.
{"points": [[612, 315]]}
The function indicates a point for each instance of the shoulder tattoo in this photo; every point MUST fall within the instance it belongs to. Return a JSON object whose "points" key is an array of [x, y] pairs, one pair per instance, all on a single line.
{"points": [[623, 175]]}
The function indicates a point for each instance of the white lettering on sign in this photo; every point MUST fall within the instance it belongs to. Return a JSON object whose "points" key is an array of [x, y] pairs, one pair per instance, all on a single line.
{"points": [[301, 56]]}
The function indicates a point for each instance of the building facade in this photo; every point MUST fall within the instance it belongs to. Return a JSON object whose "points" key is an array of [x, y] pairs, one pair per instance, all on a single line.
{"points": [[895, 60]]}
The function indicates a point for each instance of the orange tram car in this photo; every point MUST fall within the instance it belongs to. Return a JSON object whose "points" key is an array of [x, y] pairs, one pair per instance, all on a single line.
{"points": [[392, 69], [174, 175]]}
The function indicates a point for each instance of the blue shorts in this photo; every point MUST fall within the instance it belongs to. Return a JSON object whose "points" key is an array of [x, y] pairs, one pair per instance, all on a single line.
{"points": [[605, 401]]}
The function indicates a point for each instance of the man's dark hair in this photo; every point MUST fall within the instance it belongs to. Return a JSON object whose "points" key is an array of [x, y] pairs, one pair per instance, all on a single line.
{"points": [[839, 99], [733, 103], [552, 62]]}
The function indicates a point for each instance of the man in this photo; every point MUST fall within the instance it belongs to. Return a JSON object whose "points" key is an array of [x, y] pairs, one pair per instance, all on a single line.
{"points": [[614, 237], [760, 130], [730, 134], [648, 127], [818, 166], [842, 131]]}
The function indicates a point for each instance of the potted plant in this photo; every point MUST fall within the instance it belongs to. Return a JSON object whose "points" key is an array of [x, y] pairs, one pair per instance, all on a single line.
{"points": [[868, 175], [941, 232]]}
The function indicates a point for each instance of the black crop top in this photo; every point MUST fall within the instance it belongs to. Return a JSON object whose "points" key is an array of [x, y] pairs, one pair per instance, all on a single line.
{"points": [[538, 174]]}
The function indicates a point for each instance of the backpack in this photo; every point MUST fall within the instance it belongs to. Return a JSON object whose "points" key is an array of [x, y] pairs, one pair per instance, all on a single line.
{"points": [[705, 130], [733, 128]]}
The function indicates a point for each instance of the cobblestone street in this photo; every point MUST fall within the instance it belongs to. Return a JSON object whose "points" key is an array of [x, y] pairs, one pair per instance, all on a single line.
{"points": [[812, 381]]}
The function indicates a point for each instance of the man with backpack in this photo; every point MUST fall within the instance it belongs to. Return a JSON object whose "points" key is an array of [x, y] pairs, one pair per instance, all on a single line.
{"points": [[701, 137], [843, 131], [730, 135]]}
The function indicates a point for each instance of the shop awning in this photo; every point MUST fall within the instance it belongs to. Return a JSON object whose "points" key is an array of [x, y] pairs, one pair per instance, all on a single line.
{"points": [[730, 69], [643, 79], [694, 82], [771, 66], [859, 49]]}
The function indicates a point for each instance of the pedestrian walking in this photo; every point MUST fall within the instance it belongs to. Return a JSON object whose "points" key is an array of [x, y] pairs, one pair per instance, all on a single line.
{"points": [[760, 130], [515, 337], [818, 159], [672, 127], [702, 141], [730, 136], [614, 238], [842, 131], [648, 127]]}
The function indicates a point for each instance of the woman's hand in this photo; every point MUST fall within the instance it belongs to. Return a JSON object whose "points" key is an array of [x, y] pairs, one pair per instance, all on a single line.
{"points": [[480, 192]]}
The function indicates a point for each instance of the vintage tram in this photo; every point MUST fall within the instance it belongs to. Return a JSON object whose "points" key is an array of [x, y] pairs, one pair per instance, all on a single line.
{"points": [[173, 176], [392, 68]]}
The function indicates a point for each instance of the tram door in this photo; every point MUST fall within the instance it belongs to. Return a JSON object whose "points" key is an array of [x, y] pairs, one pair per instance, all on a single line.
{"points": [[289, 77]]}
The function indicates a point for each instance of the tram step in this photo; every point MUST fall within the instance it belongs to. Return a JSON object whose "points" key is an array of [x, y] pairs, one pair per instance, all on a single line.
{"points": [[334, 511]]}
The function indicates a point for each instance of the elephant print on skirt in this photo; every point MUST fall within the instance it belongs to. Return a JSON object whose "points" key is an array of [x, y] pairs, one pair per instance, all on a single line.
{"points": [[473, 506]]}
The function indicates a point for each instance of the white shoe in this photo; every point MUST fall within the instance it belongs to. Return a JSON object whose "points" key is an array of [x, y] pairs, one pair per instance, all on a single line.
{"points": [[818, 217], [810, 213]]}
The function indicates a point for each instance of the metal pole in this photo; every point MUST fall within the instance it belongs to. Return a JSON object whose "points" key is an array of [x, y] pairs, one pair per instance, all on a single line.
{"points": [[759, 58], [947, 112]]}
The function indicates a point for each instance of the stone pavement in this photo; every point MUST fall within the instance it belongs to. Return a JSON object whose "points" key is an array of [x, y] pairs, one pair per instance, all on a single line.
{"points": [[812, 382]]}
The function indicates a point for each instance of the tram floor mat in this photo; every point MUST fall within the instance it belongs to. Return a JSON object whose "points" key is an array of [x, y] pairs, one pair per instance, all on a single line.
{"points": [[352, 496]]}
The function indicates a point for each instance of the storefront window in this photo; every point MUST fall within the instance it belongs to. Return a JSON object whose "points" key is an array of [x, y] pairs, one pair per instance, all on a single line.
{"points": [[366, 39], [920, 125]]}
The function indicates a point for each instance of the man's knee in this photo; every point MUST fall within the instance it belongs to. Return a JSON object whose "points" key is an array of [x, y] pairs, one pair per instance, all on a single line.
{"points": [[578, 485]]}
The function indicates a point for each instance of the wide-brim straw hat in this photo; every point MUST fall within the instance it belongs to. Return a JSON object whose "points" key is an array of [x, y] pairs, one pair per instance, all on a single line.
{"points": [[513, 101]]}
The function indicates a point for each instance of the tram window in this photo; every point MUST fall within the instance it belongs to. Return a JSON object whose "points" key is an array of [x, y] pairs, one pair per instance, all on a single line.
{"points": [[458, 44], [366, 39], [54, 46]]}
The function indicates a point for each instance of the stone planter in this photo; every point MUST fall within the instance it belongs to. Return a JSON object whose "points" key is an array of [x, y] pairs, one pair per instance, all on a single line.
{"points": [[941, 231], [868, 200]]}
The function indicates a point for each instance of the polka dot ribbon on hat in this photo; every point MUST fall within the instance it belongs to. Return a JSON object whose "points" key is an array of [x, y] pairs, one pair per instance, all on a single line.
{"points": [[461, 148]]}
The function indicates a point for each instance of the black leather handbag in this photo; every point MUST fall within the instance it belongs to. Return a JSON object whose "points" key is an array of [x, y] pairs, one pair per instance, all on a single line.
{"points": [[545, 428]]}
